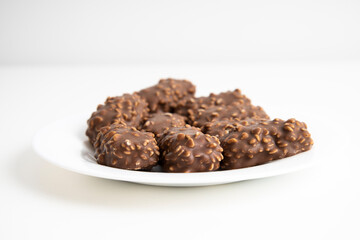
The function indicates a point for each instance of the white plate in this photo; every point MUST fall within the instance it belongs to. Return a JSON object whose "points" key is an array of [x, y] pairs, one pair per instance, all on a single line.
{"points": [[64, 144]]}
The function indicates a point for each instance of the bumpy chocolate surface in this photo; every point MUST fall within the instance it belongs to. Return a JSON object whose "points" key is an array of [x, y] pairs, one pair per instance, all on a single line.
{"points": [[157, 123], [187, 107], [235, 111], [126, 147], [228, 131], [166, 95], [129, 108], [263, 142], [190, 105], [222, 128], [106, 133], [187, 149], [227, 98]]}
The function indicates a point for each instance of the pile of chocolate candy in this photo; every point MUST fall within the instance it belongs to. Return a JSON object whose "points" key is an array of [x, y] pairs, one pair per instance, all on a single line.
{"points": [[167, 125]]}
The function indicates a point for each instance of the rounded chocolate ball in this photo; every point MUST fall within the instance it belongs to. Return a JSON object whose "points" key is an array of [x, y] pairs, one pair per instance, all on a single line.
{"points": [[129, 108], [187, 149], [126, 148]]}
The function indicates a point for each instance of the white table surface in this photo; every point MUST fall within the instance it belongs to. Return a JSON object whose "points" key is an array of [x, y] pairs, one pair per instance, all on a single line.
{"points": [[41, 201]]}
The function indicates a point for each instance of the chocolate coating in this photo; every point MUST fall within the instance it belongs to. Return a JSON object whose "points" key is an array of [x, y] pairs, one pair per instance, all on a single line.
{"points": [[264, 142], [222, 128], [227, 98], [236, 134], [236, 111], [129, 108], [157, 123], [187, 149], [126, 147], [186, 107], [166, 95], [190, 105], [106, 133]]}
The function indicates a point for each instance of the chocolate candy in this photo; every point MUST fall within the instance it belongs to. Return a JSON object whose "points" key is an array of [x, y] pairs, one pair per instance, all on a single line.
{"points": [[105, 134], [227, 98], [130, 109], [157, 123], [247, 136], [222, 128], [186, 107], [235, 111], [190, 105], [166, 95], [264, 142], [125, 147], [187, 149]]}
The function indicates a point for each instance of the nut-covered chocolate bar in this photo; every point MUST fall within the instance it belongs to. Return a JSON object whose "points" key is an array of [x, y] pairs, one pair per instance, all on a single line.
{"points": [[222, 128], [235, 111], [129, 108], [166, 95], [126, 147], [187, 149], [157, 123], [227, 98], [189, 106], [264, 142]]}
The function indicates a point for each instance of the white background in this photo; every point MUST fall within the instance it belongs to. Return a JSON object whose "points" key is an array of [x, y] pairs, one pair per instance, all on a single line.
{"points": [[295, 58], [108, 31]]}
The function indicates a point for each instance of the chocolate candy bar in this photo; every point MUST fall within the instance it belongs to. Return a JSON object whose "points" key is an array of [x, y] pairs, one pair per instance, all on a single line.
{"points": [[235, 111], [264, 142], [129, 108], [166, 95], [125, 147], [222, 128]]}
